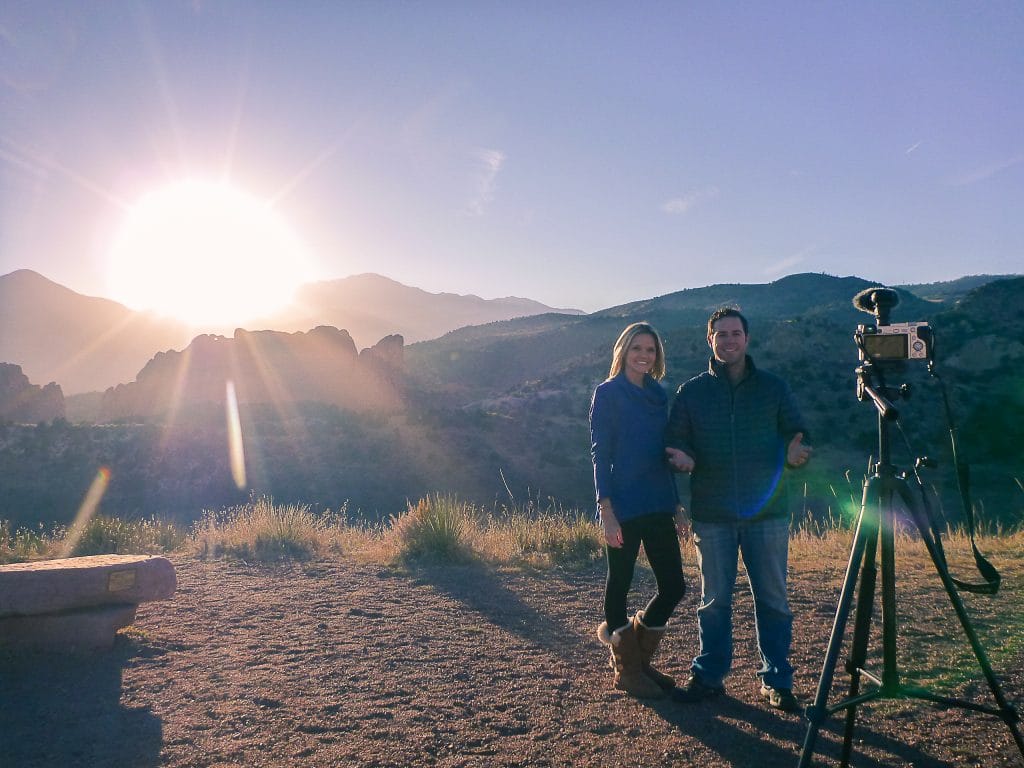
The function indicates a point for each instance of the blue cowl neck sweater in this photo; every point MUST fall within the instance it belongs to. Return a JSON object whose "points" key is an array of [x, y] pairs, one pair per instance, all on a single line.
{"points": [[627, 427]]}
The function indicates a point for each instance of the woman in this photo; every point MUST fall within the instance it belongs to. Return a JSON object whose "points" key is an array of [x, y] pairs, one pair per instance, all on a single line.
{"points": [[637, 504]]}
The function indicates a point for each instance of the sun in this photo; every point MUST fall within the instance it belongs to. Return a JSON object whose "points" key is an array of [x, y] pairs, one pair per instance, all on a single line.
{"points": [[205, 253]]}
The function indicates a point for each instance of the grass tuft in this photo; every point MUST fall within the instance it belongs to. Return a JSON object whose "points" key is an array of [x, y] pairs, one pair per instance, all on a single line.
{"points": [[543, 536], [24, 543], [437, 528], [262, 530], [113, 536]]}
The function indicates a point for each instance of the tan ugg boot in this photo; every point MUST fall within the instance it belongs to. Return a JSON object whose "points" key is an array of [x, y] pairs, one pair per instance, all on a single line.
{"points": [[648, 639], [625, 660]]}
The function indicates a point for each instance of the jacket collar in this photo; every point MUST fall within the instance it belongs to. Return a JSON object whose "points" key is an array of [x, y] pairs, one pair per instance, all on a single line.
{"points": [[717, 369]]}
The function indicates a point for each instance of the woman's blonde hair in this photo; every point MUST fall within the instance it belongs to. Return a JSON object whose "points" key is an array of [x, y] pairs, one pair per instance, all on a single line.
{"points": [[626, 339]]}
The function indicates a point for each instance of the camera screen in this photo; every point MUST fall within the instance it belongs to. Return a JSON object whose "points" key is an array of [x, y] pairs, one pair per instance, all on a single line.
{"points": [[889, 346]]}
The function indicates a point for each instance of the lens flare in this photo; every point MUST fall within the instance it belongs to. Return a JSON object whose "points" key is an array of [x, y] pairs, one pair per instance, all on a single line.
{"points": [[88, 508], [236, 452]]}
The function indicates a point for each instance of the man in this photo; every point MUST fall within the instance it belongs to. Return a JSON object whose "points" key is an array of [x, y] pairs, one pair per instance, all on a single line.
{"points": [[736, 426]]}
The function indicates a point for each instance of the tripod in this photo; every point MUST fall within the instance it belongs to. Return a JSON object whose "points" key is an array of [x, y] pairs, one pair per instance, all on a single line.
{"points": [[874, 533]]}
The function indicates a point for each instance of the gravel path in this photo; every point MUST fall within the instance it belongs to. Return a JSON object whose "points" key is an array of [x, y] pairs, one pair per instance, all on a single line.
{"points": [[345, 664]]}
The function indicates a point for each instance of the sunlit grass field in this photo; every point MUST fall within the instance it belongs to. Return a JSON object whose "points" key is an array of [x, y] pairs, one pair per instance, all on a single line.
{"points": [[436, 528], [439, 528]]}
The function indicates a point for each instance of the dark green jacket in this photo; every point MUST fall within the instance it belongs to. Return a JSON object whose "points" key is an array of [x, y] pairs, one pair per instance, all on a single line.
{"points": [[737, 437]]}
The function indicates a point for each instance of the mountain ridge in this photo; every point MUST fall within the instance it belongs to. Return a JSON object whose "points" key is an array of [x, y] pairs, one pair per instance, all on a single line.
{"points": [[499, 411], [88, 343]]}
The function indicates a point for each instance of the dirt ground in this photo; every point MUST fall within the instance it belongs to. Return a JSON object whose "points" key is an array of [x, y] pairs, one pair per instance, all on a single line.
{"points": [[346, 664]]}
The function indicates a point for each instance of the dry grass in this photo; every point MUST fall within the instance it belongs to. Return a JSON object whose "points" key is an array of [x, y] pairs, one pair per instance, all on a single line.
{"points": [[262, 530], [438, 527], [98, 536]]}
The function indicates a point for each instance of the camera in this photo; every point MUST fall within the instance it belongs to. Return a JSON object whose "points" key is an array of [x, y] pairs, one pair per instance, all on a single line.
{"points": [[885, 341], [898, 341]]}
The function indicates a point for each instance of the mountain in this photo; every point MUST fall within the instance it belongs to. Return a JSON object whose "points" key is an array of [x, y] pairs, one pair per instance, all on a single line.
{"points": [[370, 307], [475, 360], [952, 290], [524, 386], [497, 414], [82, 343], [87, 344]]}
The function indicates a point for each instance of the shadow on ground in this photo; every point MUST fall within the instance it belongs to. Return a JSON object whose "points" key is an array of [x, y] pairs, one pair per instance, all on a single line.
{"points": [[486, 591], [58, 710], [715, 724]]}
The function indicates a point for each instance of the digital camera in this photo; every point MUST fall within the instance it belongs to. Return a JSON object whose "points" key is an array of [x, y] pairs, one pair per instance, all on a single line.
{"points": [[898, 341]]}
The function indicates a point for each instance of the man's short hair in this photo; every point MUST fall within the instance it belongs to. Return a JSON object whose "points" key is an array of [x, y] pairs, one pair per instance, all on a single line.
{"points": [[721, 312]]}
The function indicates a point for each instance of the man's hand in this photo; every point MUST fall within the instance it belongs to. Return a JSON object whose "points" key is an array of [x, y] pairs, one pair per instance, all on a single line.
{"points": [[680, 461], [681, 520], [797, 453], [612, 529]]}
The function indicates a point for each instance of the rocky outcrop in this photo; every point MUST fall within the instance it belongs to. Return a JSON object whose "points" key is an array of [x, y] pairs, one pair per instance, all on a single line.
{"points": [[389, 351], [321, 365], [23, 402]]}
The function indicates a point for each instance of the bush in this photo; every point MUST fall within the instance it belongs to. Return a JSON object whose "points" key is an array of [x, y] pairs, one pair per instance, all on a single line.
{"points": [[23, 544], [113, 536], [438, 527], [261, 530]]}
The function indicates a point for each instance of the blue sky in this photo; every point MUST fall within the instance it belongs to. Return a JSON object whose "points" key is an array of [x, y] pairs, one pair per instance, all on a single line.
{"points": [[581, 154]]}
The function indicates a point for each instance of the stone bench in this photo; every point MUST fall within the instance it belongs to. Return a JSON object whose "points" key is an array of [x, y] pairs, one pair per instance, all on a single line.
{"points": [[78, 603]]}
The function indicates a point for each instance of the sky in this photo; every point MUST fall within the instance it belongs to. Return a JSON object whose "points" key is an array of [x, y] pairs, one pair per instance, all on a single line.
{"points": [[583, 154]]}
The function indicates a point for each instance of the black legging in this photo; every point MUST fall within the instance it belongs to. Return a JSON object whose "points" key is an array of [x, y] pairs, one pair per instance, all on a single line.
{"points": [[658, 535]]}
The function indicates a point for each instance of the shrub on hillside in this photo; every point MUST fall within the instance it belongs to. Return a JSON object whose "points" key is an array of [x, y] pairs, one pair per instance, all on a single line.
{"points": [[261, 530], [437, 528]]}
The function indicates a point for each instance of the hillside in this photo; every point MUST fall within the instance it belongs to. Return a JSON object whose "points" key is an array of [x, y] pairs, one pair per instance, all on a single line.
{"points": [[500, 409], [528, 385]]}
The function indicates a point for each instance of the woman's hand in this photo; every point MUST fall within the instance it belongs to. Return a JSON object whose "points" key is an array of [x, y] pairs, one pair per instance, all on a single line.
{"points": [[612, 529]]}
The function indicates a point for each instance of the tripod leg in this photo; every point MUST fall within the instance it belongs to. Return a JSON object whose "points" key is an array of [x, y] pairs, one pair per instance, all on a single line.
{"points": [[818, 711], [861, 634], [1007, 712]]}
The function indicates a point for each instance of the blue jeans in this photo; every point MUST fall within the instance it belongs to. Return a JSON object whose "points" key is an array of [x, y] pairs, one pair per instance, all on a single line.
{"points": [[764, 545]]}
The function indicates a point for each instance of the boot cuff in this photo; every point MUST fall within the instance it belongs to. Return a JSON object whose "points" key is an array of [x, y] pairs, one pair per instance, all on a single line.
{"points": [[611, 638], [640, 620]]}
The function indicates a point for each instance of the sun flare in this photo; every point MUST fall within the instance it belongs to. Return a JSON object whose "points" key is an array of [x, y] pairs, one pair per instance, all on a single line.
{"points": [[206, 253]]}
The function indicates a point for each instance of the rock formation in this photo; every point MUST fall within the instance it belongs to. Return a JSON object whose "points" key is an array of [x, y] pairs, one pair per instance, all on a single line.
{"points": [[321, 365], [27, 403]]}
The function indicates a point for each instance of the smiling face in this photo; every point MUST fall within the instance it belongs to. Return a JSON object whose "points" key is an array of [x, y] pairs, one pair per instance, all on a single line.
{"points": [[728, 341], [638, 351], [641, 355]]}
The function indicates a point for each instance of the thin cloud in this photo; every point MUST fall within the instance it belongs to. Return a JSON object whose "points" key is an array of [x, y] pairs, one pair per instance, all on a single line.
{"points": [[785, 266], [489, 165], [679, 206], [987, 172]]}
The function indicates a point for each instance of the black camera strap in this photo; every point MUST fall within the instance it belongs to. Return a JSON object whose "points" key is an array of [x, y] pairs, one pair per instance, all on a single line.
{"points": [[985, 568]]}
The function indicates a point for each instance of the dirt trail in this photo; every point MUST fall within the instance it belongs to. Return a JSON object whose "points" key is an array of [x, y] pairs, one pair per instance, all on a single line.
{"points": [[345, 664]]}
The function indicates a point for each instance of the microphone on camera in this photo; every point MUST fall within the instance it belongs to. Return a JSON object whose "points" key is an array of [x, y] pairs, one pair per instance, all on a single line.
{"points": [[877, 301]]}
